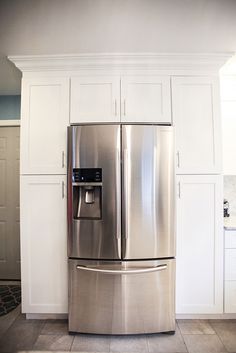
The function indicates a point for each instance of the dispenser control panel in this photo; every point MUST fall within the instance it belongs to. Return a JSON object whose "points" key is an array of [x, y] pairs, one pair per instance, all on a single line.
{"points": [[87, 175]]}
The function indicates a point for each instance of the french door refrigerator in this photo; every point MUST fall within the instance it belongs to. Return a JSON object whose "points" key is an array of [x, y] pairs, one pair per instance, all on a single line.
{"points": [[121, 229]]}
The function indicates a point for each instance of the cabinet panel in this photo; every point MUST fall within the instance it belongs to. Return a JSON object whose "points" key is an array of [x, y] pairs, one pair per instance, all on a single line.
{"points": [[230, 297], [195, 104], [199, 285], [230, 264], [145, 99], [45, 116], [43, 244], [95, 99], [230, 239]]}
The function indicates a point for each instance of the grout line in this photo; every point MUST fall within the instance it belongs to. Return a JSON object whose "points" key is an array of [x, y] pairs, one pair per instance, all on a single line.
{"points": [[182, 336], [221, 341], [72, 342]]}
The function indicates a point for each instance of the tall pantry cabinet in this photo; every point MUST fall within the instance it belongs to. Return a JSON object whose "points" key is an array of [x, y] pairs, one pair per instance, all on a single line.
{"points": [[44, 121], [199, 264], [112, 88]]}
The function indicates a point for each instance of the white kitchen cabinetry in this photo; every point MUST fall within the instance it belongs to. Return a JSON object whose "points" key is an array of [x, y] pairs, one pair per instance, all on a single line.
{"points": [[230, 271], [44, 118], [196, 116], [43, 244], [95, 99], [145, 99], [199, 260], [137, 99]]}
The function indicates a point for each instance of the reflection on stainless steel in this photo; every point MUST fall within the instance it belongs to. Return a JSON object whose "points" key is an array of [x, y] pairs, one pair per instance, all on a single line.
{"points": [[118, 303], [121, 229], [148, 197], [95, 147]]}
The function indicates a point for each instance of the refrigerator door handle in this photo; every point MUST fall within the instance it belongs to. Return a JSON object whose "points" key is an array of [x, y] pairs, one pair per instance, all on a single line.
{"points": [[123, 272], [118, 201], [126, 208]]}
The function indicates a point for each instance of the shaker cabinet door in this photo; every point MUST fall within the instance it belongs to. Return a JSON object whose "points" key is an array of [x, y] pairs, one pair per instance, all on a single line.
{"points": [[196, 116], [45, 116], [43, 244], [199, 260], [145, 99], [95, 99]]}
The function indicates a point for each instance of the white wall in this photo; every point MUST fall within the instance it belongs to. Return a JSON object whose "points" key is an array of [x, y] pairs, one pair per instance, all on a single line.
{"points": [[76, 26], [73, 26]]}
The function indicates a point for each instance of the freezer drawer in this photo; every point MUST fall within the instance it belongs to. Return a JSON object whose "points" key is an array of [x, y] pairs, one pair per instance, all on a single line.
{"points": [[121, 297]]}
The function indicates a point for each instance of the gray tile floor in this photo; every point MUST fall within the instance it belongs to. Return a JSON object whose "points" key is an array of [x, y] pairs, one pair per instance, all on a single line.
{"points": [[194, 336]]}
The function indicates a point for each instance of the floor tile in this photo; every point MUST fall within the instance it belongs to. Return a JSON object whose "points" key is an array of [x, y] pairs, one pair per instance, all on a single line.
{"points": [[55, 327], [7, 320], [195, 327], [20, 336], [203, 344], [129, 343], [227, 332], [166, 343], [91, 343], [54, 342]]}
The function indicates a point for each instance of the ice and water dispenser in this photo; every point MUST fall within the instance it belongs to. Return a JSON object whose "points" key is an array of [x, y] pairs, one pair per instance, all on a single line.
{"points": [[87, 193]]}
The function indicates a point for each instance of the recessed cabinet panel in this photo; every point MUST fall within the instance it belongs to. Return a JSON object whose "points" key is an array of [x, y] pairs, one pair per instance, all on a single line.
{"points": [[145, 99], [199, 260], [43, 244], [95, 99], [45, 116], [195, 105], [230, 264], [230, 297]]}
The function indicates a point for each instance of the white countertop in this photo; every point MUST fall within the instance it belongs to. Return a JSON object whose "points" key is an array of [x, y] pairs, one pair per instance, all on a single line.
{"points": [[230, 222]]}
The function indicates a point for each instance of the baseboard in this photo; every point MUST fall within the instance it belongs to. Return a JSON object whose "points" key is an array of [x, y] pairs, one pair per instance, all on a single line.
{"points": [[46, 316], [178, 316], [206, 316]]}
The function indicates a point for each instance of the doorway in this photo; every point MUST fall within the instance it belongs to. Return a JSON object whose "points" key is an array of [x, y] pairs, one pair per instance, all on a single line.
{"points": [[9, 203]]}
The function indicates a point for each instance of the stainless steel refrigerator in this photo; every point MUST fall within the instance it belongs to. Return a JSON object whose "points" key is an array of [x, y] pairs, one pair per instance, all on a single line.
{"points": [[121, 229]]}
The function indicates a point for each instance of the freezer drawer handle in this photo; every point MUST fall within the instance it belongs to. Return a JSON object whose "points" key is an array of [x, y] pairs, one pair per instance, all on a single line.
{"points": [[123, 272]]}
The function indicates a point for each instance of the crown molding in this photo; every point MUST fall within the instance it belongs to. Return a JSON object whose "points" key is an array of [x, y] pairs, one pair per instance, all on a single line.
{"points": [[146, 61]]}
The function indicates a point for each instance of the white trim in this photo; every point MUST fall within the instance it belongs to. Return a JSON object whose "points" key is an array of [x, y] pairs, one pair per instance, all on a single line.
{"points": [[122, 61], [10, 122], [178, 316], [205, 316]]}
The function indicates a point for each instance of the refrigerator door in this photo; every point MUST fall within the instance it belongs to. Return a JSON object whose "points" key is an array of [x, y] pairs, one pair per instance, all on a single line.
{"points": [[121, 297], [148, 200], [94, 208]]}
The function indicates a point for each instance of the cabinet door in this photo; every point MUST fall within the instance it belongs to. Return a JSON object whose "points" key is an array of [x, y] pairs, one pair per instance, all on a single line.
{"points": [[230, 297], [145, 99], [45, 116], [95, 99], [199, 261], [43, 244], [197, 121]]}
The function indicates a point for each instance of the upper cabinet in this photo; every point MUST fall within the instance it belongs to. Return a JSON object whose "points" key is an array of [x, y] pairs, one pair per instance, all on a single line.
{"points": [[145, 99], [44, 118], [95, 99], [196, 116], [138, 99]]}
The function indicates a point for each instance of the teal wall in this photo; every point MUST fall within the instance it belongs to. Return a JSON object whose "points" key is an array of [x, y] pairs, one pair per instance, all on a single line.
{"points": [[9, 107]]}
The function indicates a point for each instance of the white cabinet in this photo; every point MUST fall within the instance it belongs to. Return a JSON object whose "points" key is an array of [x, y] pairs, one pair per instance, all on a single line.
{"points": [[137, 99], [230, 271], [43, 244], [199, 260], [145, 99], [196, 116], [44, 118], [95, 99]]}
